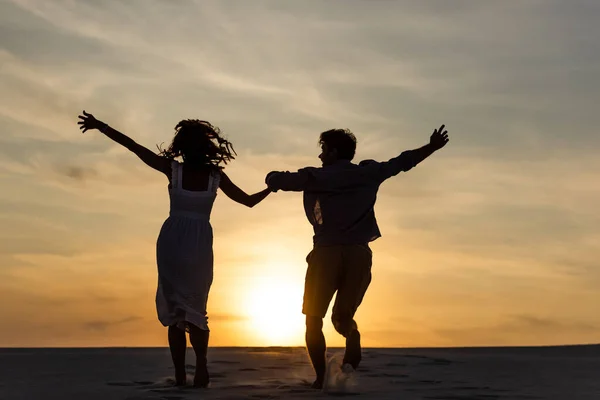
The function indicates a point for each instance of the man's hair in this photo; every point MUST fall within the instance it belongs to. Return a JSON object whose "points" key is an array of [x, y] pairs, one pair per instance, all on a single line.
{"points": [[343, 140]]}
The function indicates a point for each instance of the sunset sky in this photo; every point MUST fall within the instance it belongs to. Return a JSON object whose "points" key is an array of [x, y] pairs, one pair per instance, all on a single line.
{"points": [[495, 240]]}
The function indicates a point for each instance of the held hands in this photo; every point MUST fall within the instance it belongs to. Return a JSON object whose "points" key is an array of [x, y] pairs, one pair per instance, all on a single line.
{"points": [[439, 138], [88, 121], [267, 181]]}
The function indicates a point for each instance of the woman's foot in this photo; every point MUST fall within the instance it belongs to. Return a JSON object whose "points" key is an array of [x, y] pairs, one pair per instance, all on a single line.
{"points": [[318, 384], [180, 378]]}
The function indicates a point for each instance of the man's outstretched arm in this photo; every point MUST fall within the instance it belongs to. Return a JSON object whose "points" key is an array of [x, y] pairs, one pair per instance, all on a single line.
{"points": [[288, 181], [410, 158]]}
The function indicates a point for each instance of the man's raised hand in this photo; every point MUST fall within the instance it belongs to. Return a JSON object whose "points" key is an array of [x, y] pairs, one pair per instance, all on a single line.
{"points": [[439, 138]]}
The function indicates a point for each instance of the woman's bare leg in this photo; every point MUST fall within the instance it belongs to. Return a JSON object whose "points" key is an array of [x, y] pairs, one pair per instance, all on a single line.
{"points": [[177, 345], [199, 339]]}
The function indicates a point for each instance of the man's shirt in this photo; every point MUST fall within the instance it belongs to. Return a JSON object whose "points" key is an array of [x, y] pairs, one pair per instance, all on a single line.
{"points": [[339, 199]]}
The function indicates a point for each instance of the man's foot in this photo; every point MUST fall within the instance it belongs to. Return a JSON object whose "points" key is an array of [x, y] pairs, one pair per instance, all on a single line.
{"points": [[318, 384], [353, 350], [347, 368]]}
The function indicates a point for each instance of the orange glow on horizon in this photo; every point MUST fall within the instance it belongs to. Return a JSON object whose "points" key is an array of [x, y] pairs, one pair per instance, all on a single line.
{"points": [[273, 306]]}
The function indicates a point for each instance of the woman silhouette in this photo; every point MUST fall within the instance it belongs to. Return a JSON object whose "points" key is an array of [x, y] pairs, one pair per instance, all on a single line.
{"points": [[184, 251]]}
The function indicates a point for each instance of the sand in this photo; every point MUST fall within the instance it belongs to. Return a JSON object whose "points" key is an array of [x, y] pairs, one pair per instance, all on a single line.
{"points": [[284, 373]]}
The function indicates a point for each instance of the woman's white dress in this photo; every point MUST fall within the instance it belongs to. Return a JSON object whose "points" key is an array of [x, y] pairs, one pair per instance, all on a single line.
{"points": [[184, 254]]}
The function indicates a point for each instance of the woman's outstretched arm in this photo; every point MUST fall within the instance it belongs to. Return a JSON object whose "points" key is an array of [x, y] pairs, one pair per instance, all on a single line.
{"points": [[238, 195], [153, 160]]}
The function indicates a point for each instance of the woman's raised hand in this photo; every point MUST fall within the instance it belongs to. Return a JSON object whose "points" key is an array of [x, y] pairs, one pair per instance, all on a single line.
{"points": [[88, 121]]}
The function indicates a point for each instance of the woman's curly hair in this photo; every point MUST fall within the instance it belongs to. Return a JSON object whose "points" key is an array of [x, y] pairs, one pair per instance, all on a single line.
{"points": [[205, 137]]}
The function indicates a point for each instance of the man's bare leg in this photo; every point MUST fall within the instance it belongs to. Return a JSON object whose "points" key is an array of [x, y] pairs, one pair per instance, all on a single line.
{"points": [[315, 343], [347, 327], [353, 354]]}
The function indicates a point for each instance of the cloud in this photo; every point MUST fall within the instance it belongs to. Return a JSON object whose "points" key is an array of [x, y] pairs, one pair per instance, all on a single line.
{"points": [[516, 330], [524, 329], [530, 321], [367, 73], [78, 173], [104, 325], [227, 318]]}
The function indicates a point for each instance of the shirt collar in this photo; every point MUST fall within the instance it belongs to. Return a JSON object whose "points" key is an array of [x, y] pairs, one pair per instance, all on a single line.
{"points": [[340, 163]]}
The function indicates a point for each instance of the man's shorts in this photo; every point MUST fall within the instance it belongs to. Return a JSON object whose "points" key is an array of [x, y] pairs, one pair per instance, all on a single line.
{"points": [[342, 268]]}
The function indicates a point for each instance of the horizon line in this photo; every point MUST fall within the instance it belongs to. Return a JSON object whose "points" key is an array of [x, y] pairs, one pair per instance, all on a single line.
{"points": [[303, 347]]}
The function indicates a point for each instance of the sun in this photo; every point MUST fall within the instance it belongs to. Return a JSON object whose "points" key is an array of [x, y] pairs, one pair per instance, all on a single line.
{"points": [[274, 307]]}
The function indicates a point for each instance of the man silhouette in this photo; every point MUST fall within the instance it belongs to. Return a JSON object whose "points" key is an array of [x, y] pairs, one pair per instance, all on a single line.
{"points": [[339, 199]]}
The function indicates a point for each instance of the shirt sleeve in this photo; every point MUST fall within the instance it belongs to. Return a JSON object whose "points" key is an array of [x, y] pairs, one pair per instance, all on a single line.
{"points": [[289, 181], [381, 171]]}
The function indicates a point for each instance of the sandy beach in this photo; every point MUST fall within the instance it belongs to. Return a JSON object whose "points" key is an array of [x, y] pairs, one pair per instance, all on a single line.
{"points": [[285, 373]]}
